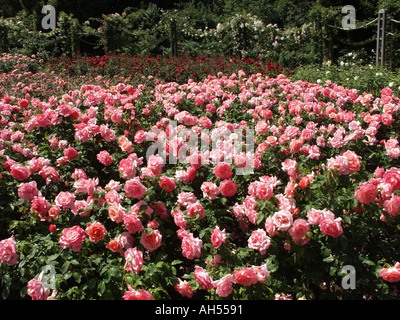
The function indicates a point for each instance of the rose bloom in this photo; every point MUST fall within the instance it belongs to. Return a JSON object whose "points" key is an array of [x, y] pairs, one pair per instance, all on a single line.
{"points": [[270, 227], [40, 206], [96, 231], [194, 209], [113, 197], [133, 260], [392, 177], [125, 239], [191, 247], [54, 212], [114, 246], [306, 181], [218, 237], [72, 237], [132, 223], [36, 290], [184, 288], [104, 158], [391, 274], [316, 216], [186, 198], [245, 276], [224, 285], [140, 136], [134, 188], [28, 191], [330, 227], [223, 170], [228, 188], [210, 190], [70, 153], [283, 220], [392, 206], [299, 230], [203, 278], [19, 172], [151, 241], [116, 212], [66, 200], [259, 241], [8, 251], [133, 294], [261, 272], [264, 191], [167, 184], [366, 193]]}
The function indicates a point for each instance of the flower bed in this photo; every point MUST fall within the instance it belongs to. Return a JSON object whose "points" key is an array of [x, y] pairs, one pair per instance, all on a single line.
{"points": [[108, 193]]}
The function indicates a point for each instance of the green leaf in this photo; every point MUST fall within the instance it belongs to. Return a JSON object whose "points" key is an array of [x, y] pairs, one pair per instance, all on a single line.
{"points": [[175, 262], [101, 288]]}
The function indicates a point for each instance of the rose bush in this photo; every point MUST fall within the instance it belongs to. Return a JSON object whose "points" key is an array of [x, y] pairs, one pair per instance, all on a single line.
{"points": [[111, 186]]}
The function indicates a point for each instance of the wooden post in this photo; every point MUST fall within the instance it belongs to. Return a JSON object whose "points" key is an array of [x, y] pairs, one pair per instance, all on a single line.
{"points": [[380, 38], [174, 41]]}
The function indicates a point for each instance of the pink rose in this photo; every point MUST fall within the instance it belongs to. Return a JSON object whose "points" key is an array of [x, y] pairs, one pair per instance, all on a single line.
{"points": [[28, 191], [270, 227], [116, 212], [392, 206], [36, 290], [223, 170], [135, 189], [40, 206], [72, 237], [104, 158], [316, 216], [264, 191], [228, 188], [132, 223], [133, 294], [184, 288], [332, 228], [20, 172], [151, 241], [66, 200], [366, 193], [191, 247], [186, 198], [203, 278], [218, 237], [140, 136], [224, 286], [245, 276], [167, 184], [133, 260], [299, 231], [8, 251], [392, 177], [391, 274], [210, 190], [70, 153], [96, 231], [259, 241], [283, 220], [261, 272], [195, 209]]}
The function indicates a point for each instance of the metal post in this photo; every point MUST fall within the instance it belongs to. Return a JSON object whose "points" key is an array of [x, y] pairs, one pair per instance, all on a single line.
{"points": [[380, 38]]}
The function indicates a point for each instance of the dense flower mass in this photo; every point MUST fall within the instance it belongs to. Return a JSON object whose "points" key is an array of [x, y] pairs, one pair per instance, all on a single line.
{"points": [[239, 184]]}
